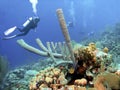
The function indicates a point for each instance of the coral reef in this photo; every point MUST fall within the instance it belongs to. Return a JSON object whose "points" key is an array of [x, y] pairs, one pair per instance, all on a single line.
{"points": [[93, 70], [20, 77], [69, 65], [3, 68], [111, 39]]}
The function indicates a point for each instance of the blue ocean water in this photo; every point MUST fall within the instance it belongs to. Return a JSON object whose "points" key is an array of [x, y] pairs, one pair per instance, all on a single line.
{"points": [[87, 16]]}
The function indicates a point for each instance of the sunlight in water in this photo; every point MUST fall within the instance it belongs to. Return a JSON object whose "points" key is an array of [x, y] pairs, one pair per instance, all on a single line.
{"points": [[34, 4], [72, 11], [89, 4]]}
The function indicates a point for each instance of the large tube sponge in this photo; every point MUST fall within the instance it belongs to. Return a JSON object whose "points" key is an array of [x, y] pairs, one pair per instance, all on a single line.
{"points": [[23, 44], [32, 49], [65, 33]]}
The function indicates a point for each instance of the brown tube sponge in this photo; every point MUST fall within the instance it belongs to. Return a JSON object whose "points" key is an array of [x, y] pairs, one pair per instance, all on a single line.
{"points": [[65, 33]]}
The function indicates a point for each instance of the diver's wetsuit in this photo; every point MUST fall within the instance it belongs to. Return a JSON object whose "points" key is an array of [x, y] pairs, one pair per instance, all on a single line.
{"points": [[31, 25]]}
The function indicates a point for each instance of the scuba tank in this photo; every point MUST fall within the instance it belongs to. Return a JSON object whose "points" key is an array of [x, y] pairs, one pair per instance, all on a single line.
{"points": [[27, 22]]}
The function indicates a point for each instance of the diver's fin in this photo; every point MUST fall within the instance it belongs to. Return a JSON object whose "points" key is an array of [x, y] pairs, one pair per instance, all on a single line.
{"points": [[9, 31], [6, 38]]}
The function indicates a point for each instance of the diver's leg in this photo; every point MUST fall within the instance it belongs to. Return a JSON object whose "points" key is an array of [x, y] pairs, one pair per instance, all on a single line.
{"points": [[20, 29], [10, 37], [14, 36], [22, 34]]}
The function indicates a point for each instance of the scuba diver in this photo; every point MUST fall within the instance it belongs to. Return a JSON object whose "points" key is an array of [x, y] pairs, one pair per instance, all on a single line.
{"points": [[31, 23], [70, 24]]}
